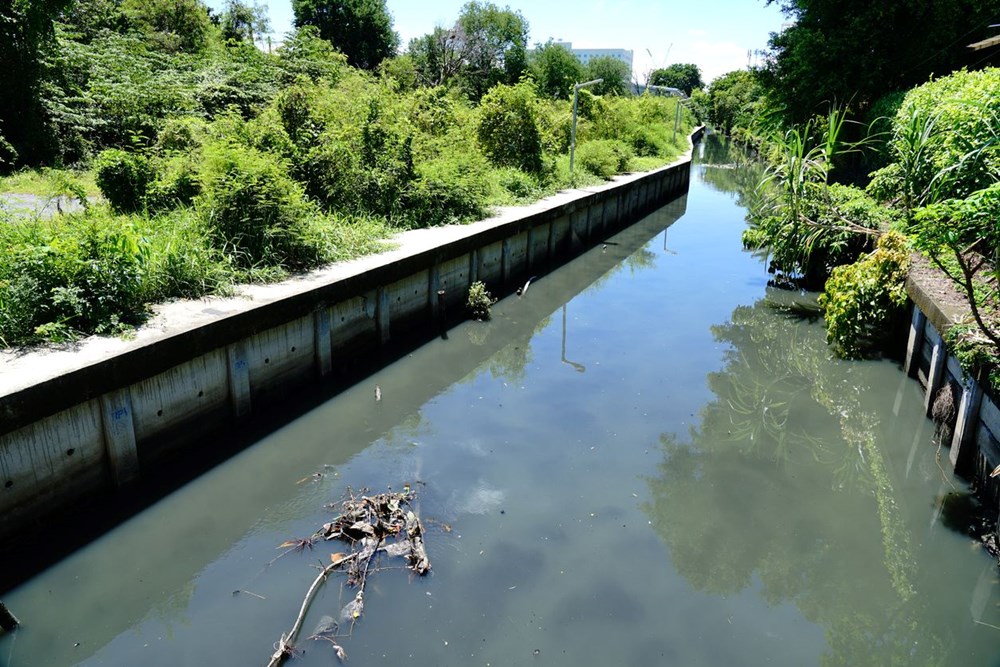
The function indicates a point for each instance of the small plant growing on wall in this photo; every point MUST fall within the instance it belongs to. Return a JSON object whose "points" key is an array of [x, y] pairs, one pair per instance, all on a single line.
{"points": [[479, 301]]}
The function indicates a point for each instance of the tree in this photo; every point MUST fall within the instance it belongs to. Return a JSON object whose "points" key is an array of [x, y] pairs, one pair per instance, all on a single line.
{"points": [[684, 76], [360, 29], [26, 34], [614, 72], [436, 57], [486, 46], [732, 98], [494, 48], [555, 70], [854, 51], [87, 19], [172, 25], [241, 22], [508, 127]]}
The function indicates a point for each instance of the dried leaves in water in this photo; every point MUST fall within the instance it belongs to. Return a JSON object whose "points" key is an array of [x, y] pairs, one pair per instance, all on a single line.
{"points": [[370, 526]]}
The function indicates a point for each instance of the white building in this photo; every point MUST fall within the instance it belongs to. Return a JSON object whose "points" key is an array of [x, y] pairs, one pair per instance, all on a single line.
{"points": [[585, 55]]}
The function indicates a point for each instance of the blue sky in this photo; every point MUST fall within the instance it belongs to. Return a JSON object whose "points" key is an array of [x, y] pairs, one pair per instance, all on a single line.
{"points": [[714, 34]]}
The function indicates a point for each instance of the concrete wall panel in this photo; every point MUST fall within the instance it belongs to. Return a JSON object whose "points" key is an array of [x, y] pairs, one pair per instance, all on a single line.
{"points": [[517, 255], [490, 262], [409, 297], [280, 356], [50, 459], [172, 399], [57, 456]]}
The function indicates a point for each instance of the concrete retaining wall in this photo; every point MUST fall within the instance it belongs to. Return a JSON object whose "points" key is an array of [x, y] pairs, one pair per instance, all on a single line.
{"points": [[973, 435], [74, 427]]}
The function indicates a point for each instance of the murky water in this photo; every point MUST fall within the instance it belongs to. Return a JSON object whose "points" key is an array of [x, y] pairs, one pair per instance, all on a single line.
{"points": [[649, 459]]}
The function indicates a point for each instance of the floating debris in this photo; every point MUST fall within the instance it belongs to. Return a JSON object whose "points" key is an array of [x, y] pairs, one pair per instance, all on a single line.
{"points": [[371, 526]]}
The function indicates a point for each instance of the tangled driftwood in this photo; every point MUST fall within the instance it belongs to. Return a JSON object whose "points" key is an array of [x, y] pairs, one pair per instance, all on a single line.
{"points": [[370, 525]]}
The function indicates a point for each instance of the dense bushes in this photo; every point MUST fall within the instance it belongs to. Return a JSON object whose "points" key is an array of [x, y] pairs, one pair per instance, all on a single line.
{"points": [[124, 179], [862, 299], [604, 157], [508, 129], [945, 140], [830, 225], [80, 275], [255, 212], [220, 163]]}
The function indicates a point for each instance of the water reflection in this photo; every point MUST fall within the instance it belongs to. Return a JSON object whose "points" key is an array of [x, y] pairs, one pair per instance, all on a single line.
{"points": [[786, 483], [729, 167], [795, 517]]}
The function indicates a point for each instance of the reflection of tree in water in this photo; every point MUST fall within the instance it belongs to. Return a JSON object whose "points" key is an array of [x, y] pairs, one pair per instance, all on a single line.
{"points": [[511, 360], [784, 483], [727, 167]]}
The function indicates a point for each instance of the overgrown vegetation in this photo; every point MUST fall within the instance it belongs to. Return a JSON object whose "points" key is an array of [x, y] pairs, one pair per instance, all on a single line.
{"points": [[219, 162], [862, 299], [927, 157]]}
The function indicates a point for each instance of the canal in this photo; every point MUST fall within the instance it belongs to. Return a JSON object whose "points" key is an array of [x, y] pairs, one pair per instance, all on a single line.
{"points": [[649, 458]]}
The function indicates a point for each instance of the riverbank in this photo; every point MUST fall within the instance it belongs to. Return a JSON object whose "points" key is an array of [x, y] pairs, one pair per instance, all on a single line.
{"points": [[81, 421]]}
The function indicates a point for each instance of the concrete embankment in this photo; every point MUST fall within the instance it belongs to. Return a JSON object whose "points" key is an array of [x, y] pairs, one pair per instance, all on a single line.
{"points": [[968, 418], [78, 424]]}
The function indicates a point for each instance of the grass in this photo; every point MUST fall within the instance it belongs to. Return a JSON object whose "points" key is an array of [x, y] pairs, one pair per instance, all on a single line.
{"points": [[50, 182], [96, 271]]}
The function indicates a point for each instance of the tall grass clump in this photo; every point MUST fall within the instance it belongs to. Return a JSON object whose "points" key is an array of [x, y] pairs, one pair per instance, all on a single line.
{"points": [[255, 213], [81, 274]]}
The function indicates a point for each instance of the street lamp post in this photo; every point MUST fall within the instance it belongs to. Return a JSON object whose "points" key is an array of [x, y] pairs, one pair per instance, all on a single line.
{"points": [[572, 133], [677, 92]]}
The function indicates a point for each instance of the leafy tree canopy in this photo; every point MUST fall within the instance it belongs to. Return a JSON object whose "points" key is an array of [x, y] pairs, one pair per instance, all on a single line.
{"points": [[360, 29], [486, 46], [854, 51], [685, 76], [171, 25], [242, 22], [555, 70], [615, 73], [26, 33], [732, 97]]}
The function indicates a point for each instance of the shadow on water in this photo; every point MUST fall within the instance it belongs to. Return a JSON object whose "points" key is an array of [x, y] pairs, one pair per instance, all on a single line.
{"points": [[326, 434]]}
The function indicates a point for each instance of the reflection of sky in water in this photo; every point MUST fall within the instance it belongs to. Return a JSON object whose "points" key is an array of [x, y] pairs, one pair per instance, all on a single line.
{"points": [[683, 493]]}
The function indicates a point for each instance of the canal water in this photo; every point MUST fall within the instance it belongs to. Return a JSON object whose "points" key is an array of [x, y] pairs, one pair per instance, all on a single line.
{"points": [[650, 458]]}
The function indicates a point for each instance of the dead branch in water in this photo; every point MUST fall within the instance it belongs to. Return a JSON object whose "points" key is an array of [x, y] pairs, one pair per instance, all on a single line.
{"points": [[370, 525]]}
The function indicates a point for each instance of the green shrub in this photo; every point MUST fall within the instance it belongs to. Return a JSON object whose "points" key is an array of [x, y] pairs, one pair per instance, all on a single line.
{"points": [[516, 183], [61, 280], [604, 157], [832, 225], [861, 299], [962, 236], [386, 161], [479, 301], [186, 133], [508, 129], [257, 215], [124, 179], [453, 189], [957, 121], [332, 176], [295, 108], [182, 260], [177, 181]]}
